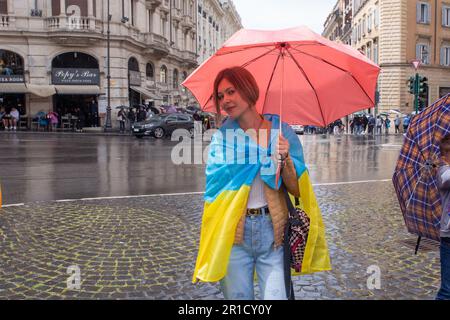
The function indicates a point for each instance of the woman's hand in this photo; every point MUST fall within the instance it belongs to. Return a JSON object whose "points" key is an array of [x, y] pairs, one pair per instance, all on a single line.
{"points": [[283, 148]]}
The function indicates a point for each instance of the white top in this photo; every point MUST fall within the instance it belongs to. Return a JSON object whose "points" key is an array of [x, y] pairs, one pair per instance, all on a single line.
{"points": [[15, 114], [256, 198]]}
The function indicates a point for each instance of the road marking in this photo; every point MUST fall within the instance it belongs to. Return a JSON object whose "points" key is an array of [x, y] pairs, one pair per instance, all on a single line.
{"points": [[349, 182], [187, 193], [12, 205]]}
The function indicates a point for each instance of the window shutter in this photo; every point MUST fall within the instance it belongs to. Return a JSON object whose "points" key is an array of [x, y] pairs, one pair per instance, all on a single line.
{"points": [[428, 17], [418, 12], [418, 52]]}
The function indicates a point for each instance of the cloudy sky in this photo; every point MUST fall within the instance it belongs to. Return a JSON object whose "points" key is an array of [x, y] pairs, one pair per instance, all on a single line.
{"points": [[280, 14]]}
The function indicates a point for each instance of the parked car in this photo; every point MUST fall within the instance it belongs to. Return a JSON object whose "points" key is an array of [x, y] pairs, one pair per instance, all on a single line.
{"points": [[298, 129], [163, 125]]}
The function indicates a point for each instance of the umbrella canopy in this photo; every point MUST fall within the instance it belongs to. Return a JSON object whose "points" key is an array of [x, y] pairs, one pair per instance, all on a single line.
{"points": [[414, 177], [313, 80], [122, 107]]}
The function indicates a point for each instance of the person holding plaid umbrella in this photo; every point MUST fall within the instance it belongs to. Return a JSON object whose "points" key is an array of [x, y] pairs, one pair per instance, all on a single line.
{"points": [[443, 179], [422, 181]]}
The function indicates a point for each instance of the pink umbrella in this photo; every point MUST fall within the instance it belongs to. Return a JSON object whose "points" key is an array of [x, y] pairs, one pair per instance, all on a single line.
{"points": [[301, 75]]}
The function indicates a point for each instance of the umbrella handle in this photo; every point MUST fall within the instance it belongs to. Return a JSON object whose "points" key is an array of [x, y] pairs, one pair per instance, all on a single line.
{"points": [[417, 245]]}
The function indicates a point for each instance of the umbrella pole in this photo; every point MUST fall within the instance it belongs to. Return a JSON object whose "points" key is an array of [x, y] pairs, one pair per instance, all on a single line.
{"points": [[417, 245], [282, 53]]}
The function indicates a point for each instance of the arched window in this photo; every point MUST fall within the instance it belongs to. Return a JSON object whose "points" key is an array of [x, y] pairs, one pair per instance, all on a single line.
{"points": [[133, 64], [75, 60], [10, 63], [149, 71], [175, 79], [163, 74], [184, 75]]}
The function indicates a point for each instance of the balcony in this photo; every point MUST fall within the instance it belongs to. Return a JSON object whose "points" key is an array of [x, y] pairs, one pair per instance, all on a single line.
{"points": [[78, 27], [152, 4], [190, 59], [4, 22], [157, 44], [187, 22], [70, 23]]}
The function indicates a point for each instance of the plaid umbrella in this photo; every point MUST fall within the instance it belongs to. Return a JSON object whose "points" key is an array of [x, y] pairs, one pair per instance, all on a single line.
{"points": [[415, 175]]}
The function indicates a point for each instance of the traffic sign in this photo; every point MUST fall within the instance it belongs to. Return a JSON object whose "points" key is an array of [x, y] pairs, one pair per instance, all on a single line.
{"points": [[416, 64]]}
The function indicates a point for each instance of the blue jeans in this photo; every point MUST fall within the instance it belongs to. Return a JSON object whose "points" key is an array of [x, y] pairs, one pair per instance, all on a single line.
{"points": [[444, 291], [256, 252]]}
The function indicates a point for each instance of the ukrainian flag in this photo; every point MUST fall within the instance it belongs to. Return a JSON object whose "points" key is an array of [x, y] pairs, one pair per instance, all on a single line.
{"points": [[234, 161]]}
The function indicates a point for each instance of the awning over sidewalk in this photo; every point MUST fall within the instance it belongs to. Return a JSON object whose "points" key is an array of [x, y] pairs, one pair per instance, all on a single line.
{"points": [[13, 88], [145, 92], [66, 89], [41, 90]]}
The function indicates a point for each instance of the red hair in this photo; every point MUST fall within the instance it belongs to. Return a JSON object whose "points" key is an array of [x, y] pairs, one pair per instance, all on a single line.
{"points": [[242, 80]]}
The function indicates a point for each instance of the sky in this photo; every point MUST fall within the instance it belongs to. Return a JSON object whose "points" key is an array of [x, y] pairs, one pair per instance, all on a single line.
{"points": [[282, 14]]}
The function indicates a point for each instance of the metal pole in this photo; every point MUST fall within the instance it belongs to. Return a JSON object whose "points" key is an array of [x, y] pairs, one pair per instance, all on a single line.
{"points": [[108, 125], [416, 93]]}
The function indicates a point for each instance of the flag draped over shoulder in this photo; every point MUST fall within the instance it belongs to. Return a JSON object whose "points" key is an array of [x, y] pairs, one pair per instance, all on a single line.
{"points": [[234, 161]]}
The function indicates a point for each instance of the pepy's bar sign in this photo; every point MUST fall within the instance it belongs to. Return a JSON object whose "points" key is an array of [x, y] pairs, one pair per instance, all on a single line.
{"points": [[75, 76]]}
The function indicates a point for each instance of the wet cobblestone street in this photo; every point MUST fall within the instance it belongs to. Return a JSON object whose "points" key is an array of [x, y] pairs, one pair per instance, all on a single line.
{"points": [[145, 248]]}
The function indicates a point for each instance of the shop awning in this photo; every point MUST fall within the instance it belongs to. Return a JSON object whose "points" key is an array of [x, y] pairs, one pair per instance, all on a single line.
{"points": [[41, 90], [66, 89], [13, 88], [145, 92]]}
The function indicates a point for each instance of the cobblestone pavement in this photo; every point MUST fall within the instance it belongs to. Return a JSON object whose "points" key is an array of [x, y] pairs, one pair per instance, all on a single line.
{"points": [[144, 248]]}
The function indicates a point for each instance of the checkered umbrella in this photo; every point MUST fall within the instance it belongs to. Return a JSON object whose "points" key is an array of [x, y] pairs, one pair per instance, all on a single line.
{"points": [[414, 177]]}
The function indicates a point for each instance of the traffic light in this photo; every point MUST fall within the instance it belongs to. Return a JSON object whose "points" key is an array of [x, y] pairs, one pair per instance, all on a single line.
{"points": [[411, 85], [423, 86]]}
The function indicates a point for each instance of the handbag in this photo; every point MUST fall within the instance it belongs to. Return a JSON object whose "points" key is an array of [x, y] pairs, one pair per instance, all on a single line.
{"points": [[295, 238]]}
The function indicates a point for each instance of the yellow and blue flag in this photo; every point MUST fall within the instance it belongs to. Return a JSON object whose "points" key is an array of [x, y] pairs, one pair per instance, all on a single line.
{"points": [[234, 160]]}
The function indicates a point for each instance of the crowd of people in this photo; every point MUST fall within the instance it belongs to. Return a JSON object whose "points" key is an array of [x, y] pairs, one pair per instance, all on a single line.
{"points": [[364, 124]]}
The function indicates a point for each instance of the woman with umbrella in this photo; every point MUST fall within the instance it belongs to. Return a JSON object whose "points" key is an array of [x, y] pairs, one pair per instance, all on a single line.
{"points": [[300, 76], [245, 211]]}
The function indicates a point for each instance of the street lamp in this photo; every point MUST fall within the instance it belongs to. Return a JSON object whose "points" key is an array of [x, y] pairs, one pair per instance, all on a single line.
{"points": [[108, 125]]}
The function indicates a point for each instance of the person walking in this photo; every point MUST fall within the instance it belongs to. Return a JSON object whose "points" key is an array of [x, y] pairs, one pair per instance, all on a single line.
{"points": [[406, 121], [364, 124], [397, 124], [379, 124], [121, 117], [337, 127], [52, 120], [245, 213], [387, 125], [371, 125], [443, 178]]}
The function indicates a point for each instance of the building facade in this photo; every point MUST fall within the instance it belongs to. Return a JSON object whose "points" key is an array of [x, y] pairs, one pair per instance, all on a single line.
{"points": [[338, 25], [53, 54], [393, 33], [421, 31], [217, 21], [333, 29]]}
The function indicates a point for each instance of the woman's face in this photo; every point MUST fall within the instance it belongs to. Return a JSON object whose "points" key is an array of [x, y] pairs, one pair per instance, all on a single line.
{"points": [[230, 99]]}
